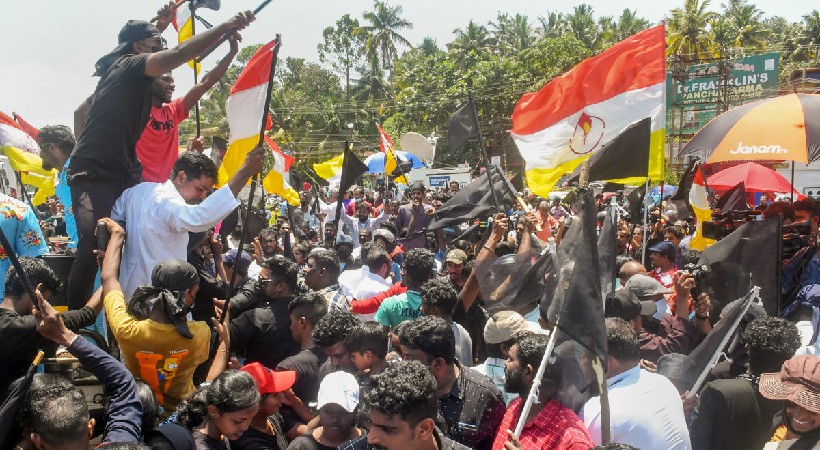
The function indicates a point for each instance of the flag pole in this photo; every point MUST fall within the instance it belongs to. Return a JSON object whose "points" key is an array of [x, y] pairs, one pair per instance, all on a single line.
{"points": [[340, 195], [536, 382], [645, 240], [483, 148], [196, 75], [243, 237], [755, 297]]}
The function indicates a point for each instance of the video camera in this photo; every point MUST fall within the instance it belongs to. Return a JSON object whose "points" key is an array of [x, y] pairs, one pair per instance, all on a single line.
{"points": [[699, 273], [724, 223], [795, 237]]}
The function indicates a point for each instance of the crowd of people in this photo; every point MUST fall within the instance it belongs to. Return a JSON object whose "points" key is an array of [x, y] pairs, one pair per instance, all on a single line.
{"points": [[346, 321]]}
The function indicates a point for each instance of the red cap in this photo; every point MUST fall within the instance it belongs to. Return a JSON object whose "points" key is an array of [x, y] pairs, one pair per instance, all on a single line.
{"points": [[269, 381]]}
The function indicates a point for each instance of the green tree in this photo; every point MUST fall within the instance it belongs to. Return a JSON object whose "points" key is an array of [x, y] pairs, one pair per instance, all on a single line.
{"points": [[342, 49], [747, 20], [471, 44], [428, 46], [512, 33], [582, 25], [688, 35], [553, 25], [629, 24], [382, 33]]}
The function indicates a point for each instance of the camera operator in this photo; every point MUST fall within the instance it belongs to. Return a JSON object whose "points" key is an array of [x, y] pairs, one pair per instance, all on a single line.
{"points": [[802, 268]]}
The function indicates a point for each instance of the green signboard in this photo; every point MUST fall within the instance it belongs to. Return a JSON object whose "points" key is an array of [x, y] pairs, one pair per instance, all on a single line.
{"points": [[696, 99]]}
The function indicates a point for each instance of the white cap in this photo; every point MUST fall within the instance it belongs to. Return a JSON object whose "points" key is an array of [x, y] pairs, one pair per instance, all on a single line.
{"points": [[340, 388]]}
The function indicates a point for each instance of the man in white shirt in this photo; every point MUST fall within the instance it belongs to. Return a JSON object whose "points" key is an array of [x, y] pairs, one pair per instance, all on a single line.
{"points": [[645, 408], [362, 221], [159, 216], [368, 281]]}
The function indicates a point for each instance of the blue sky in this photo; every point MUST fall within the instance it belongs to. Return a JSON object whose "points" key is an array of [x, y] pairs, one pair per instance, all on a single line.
{"points": [[50, 46]]}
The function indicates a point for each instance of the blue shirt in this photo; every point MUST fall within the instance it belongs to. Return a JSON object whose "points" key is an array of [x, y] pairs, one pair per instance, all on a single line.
{"points": [[64, 196], [811, 274], [22, 229]]}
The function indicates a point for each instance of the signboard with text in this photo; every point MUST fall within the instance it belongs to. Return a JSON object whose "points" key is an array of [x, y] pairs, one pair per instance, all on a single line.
{"points": [[695, 101]]}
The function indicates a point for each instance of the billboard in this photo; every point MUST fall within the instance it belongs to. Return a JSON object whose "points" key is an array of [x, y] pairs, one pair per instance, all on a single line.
{"points": [[694, 101]]}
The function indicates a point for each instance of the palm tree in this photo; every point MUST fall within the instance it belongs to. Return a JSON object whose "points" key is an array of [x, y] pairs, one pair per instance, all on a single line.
{"points": [[747, 20], [582, 25], [512, 34], [428, 46], [470, 43], [554, 25], [629, 24], [382, 33], [687, 31]]}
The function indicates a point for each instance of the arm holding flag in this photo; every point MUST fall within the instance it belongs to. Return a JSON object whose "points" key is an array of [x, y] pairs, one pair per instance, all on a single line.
{"points": [[210, 78], [166, 60], [165, 16]]}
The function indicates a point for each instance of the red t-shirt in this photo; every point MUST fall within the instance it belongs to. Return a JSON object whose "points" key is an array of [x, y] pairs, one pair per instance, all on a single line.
{"points": [[158, 146]]}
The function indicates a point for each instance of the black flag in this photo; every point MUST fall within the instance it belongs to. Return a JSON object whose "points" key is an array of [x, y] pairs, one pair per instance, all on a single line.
{"points": [[635, 199], [460, 127], [476, 201], [625, 156], [606, 252], [352, 169], [734, 199], [574, 304], [513, 282], [681, 197], [749, 256]]}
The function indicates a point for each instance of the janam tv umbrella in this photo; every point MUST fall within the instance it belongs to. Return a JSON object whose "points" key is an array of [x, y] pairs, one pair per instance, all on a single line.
{"points": [[785, 128]]}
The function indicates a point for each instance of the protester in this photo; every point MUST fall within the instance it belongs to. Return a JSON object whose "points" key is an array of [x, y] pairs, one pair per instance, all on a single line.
{"points": [[159, 216], [22, 229], [419, 265], [470, 403], [264, 332], [645, 409], [269, 429], [732, 414], [797, 386], [220, 411], [439, 299], [305, 312], [104, 162], [56, 143], [18, 326], [402, 407], [549, 425], [158, 343], [663, 259], [330, 334], [500, 333], [322, 275], [338, 397], [367, 345], [371, 279], [413, 219]]}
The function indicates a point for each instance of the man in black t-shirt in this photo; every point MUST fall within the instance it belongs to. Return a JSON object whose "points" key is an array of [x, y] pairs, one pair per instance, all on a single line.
{"points": [[305, 312], [104, 162]]}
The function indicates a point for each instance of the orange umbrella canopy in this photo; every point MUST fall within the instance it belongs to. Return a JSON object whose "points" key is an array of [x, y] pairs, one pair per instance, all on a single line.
{"points": [[785, 128]]}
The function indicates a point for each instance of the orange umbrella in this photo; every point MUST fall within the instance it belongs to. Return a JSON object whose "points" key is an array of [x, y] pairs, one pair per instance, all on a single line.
{"points": [[785, 128]]}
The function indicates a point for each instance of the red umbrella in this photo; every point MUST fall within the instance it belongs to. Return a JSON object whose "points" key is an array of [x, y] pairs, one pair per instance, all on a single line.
{"points": [[757, 178]]}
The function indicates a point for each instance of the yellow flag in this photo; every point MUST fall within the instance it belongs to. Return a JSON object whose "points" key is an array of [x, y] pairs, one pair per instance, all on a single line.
{"points": [[33, 174], [330, 168]]}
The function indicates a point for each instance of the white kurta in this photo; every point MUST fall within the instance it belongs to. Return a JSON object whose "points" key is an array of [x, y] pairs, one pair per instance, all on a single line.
{"points": [[157, 223]]}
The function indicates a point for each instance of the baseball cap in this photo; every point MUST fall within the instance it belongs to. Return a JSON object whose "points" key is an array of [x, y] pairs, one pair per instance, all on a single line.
{"points": [[343, 239], [665, 248], [624, 304], [269, 381], [244, 260], [456, 256], [340, 388], [644, 286], [132, 31], [504, 325]]}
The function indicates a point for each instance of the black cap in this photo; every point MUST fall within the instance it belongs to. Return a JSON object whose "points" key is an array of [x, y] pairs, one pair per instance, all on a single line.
{"points": [[624, 304], [134, 30]]}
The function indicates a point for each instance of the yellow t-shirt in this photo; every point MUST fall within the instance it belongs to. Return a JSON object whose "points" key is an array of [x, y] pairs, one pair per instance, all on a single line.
{"points": [[156, 353]]}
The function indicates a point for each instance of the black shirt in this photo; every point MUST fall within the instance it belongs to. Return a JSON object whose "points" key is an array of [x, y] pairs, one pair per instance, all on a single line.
{"points": [[472, 410], [308, 442], [444, 443], [21, 341], [253, 439], [264, 333], [306, 365], [119, 112], [205, 442]]}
